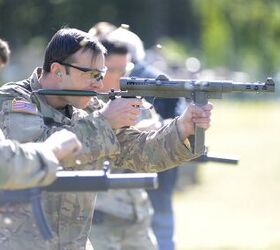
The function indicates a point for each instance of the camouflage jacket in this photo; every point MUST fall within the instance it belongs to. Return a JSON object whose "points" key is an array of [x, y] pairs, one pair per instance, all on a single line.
{"points": [[27, 117], [131, 204], [26, 165]]}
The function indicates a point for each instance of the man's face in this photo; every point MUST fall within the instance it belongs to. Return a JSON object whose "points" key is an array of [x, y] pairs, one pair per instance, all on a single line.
{"points": [[1, 63], [117, 66], [76, 79]]}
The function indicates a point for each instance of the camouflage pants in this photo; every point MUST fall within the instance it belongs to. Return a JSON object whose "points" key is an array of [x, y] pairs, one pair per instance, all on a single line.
{"points": [[112, 233]]}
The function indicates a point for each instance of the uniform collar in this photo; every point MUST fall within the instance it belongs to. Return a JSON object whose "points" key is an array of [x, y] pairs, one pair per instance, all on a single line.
{"points": [[35, 79], [41, 102]]}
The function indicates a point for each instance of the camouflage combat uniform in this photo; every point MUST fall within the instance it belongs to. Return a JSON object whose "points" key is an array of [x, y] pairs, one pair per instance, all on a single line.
{"points": [[25, 165], [122, 218], [27, 117]]}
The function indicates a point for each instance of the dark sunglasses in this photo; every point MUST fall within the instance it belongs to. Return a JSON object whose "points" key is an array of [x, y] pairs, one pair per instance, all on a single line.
{"points": [[96, 74]]}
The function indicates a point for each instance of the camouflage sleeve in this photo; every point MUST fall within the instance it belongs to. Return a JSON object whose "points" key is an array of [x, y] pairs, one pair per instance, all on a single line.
{"points": [[26, 165], [152, 151], [97, 137]]}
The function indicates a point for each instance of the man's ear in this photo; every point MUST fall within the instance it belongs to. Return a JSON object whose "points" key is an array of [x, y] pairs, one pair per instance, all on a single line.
{"points": [[57, 69]]}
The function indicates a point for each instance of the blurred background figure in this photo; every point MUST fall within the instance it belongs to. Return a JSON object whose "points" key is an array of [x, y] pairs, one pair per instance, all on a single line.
{"points": [[161, 199], [122, 218], [4, 53], [102, 29]]}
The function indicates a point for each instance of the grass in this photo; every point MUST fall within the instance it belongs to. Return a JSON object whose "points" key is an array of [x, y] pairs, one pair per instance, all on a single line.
{"points": [[235, 207]]}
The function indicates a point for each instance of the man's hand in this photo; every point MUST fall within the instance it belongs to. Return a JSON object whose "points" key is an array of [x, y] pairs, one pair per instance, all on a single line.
{"points": [[2, 136], [194, 115], [122, 112], [63, 144]]}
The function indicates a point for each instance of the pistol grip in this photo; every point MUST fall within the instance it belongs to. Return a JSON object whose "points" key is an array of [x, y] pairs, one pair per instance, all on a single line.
{"points": [[198, 140]]}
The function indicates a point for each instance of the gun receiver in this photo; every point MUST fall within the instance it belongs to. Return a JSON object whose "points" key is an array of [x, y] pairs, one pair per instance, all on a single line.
{"points": [[199, 91]]}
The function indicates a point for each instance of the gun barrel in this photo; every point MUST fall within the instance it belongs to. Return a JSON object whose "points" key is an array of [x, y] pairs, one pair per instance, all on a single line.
{"points": [[267, 86], [92, 181], [65, 92], [147, 181]]}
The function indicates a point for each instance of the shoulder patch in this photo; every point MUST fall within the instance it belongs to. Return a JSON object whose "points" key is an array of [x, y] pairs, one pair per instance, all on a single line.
{"points": [[23, 106]]}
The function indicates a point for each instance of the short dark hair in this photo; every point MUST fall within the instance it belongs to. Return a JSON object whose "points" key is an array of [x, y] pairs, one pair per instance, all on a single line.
{"points": [[4, 51], [68, 41], [114, 47]]}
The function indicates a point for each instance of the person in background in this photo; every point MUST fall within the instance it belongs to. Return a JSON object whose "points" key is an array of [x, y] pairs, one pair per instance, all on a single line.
{"points": [[4, 53], [161, 198], [122, 218]]}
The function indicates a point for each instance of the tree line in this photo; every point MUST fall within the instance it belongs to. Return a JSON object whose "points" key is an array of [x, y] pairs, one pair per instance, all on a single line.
{"points": [[240, 35]]}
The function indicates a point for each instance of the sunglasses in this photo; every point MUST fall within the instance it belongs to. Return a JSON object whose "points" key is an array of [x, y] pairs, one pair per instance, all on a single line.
{"points": [[96, 74]]}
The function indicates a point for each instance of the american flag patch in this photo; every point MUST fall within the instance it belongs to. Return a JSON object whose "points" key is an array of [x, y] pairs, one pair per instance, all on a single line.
{"points": [[24, 107]]}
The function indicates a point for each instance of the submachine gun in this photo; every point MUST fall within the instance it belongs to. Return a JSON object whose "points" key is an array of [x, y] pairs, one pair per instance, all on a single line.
{"points": [[76, 181], [197, 91]]}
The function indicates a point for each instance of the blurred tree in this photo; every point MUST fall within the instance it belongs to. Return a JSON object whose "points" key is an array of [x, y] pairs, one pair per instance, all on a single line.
{"points": [[241, 35]]}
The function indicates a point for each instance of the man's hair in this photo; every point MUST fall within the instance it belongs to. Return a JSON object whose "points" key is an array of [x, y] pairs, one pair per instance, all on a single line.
{"points": [[121, 35], [101, 29], [130, 40], [113, 48], [68, 41], [4, 52]]}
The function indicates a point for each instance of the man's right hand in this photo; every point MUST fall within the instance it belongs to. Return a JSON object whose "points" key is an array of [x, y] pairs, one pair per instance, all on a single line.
{"points": [[122, 112], [63, 144], [194, 115]]}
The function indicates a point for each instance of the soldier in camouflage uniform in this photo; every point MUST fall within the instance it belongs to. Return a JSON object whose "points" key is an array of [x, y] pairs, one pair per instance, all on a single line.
{"points": [[34, 164], [122, 218], [74, 60]]}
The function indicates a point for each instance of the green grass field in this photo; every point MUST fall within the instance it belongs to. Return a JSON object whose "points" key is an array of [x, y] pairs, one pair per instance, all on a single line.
{"points": [[235, 207]]}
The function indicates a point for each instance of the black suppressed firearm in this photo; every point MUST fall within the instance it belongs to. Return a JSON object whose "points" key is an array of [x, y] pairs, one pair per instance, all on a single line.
{"points": [[197, 91], [75, 181]]}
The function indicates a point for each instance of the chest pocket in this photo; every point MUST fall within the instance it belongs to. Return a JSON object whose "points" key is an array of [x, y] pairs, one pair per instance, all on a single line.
{"points": [[20, 124]]}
